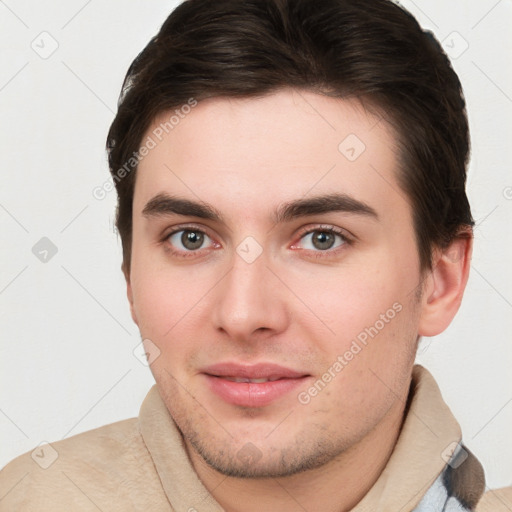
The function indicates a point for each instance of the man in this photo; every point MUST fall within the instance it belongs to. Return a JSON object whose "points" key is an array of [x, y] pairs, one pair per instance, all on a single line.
{"points": [[291, 202]]}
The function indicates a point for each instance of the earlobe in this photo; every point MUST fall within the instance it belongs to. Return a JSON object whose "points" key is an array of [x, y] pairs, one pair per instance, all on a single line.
{"points": [[129, 294], [444, 285]]}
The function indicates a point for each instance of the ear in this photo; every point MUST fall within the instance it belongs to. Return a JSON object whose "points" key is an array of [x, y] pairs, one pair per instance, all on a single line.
{"points": [[129, 292], [444, 285]]}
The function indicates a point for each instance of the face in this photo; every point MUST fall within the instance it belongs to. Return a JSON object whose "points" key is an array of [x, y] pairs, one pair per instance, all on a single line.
{"points": [[274, 270]]}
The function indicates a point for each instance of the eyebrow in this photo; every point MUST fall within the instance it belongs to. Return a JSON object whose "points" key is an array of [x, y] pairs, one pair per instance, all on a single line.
{"points": [[323, 204], [163, 204]]}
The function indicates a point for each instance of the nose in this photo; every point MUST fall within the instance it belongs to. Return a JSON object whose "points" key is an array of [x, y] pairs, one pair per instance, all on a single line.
{"points": [[250, 302]]}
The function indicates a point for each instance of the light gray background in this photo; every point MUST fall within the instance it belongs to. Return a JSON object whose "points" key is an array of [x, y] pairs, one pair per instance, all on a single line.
{"points": [[66, 354]]}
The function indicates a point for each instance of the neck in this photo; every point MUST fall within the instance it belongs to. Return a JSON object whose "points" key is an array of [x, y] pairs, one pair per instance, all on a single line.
{"points": [[334, 487]]}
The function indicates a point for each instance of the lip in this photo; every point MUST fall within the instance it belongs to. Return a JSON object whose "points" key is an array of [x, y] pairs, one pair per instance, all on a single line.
{"points": [[252, 394]]}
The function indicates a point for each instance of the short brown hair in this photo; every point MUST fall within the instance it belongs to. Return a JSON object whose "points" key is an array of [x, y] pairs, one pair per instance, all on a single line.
{"points": [[373, 50]]}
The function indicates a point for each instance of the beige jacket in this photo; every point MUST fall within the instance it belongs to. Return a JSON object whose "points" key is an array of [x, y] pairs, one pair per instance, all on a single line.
{"points": [[140, 464]]}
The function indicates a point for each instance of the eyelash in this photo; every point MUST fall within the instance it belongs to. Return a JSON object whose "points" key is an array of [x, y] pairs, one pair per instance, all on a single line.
{"points": [[347, 240], [326, 229], [184, 254]]}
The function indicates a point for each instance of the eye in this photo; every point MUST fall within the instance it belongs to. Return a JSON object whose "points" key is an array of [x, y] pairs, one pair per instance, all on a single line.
{"points": [[189, 240], [321, 240]]}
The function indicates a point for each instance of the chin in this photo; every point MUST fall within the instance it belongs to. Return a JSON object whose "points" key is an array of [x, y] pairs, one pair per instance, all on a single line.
{"points": [[251, 461]]}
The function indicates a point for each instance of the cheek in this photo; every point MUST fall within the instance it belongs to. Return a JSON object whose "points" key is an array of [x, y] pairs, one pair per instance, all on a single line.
{"points": [[159, 300], [163, 312], [153, 302], [368, 361], [171, 304], [348, 299]]}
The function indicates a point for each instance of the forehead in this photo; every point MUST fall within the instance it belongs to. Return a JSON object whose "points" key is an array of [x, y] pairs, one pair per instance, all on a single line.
{"points": [[261, 151]]}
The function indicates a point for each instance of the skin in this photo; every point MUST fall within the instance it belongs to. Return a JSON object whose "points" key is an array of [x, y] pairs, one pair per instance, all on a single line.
{"points": [[296, 305]]}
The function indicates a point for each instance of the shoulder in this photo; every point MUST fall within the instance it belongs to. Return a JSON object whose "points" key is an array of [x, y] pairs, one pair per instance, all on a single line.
{"points": [[104, 466], [496, 500]]}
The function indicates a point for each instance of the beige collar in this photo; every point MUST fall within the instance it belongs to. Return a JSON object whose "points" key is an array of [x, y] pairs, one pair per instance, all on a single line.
{"points": [[417, 459]]}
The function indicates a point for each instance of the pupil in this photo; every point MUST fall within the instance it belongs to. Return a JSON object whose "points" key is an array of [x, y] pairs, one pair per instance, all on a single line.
{"points": [[192, 239], [323, 240]]}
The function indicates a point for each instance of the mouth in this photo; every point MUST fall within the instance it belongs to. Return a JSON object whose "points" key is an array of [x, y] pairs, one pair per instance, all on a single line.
{"points": [[252, 385], [254, 381]]}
